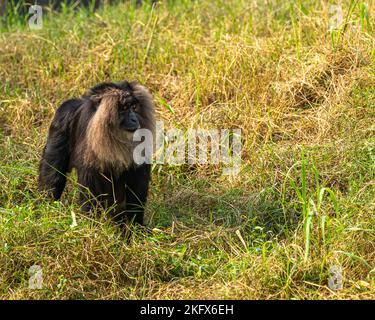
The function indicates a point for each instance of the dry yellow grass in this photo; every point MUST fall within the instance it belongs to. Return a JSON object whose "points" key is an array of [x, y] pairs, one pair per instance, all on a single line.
{"points": [[272, 69]]}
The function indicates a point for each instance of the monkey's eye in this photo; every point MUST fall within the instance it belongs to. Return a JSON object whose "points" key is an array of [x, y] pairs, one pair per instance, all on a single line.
{"points": [[122, 110]]}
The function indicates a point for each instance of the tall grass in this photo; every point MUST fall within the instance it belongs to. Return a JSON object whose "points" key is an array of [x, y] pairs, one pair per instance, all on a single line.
{"points": [[310, 204], [303, 97]]}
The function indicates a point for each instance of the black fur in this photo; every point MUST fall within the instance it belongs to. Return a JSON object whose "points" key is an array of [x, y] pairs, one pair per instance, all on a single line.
{"points": [[124, 191]]}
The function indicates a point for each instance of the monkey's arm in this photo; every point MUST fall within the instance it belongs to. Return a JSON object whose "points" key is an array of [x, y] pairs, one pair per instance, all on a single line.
{"points": [[55, 159], [137, 182]]}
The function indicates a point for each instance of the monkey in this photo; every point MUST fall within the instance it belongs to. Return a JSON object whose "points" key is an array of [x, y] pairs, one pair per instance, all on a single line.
{"points": [[94, 135]]}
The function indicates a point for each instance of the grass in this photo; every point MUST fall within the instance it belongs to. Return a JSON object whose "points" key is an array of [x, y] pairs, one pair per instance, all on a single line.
{"points": [[303, 202]]}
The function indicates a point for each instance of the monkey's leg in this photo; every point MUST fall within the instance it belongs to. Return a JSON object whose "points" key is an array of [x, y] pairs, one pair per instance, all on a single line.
{"points": [[56, 154], [87, 202], [54, 164], [137, 182], [119, 214], [90, 189]]}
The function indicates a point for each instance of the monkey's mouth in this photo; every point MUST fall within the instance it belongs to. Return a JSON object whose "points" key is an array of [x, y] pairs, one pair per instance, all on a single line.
{"points": [[132, 129]]}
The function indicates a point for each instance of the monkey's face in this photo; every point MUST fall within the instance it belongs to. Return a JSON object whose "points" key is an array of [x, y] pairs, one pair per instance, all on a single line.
{"points": [[121, 109], [128, 114]]}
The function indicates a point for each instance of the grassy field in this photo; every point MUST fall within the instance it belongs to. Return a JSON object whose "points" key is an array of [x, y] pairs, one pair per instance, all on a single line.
{"points": [[303, 96]]}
